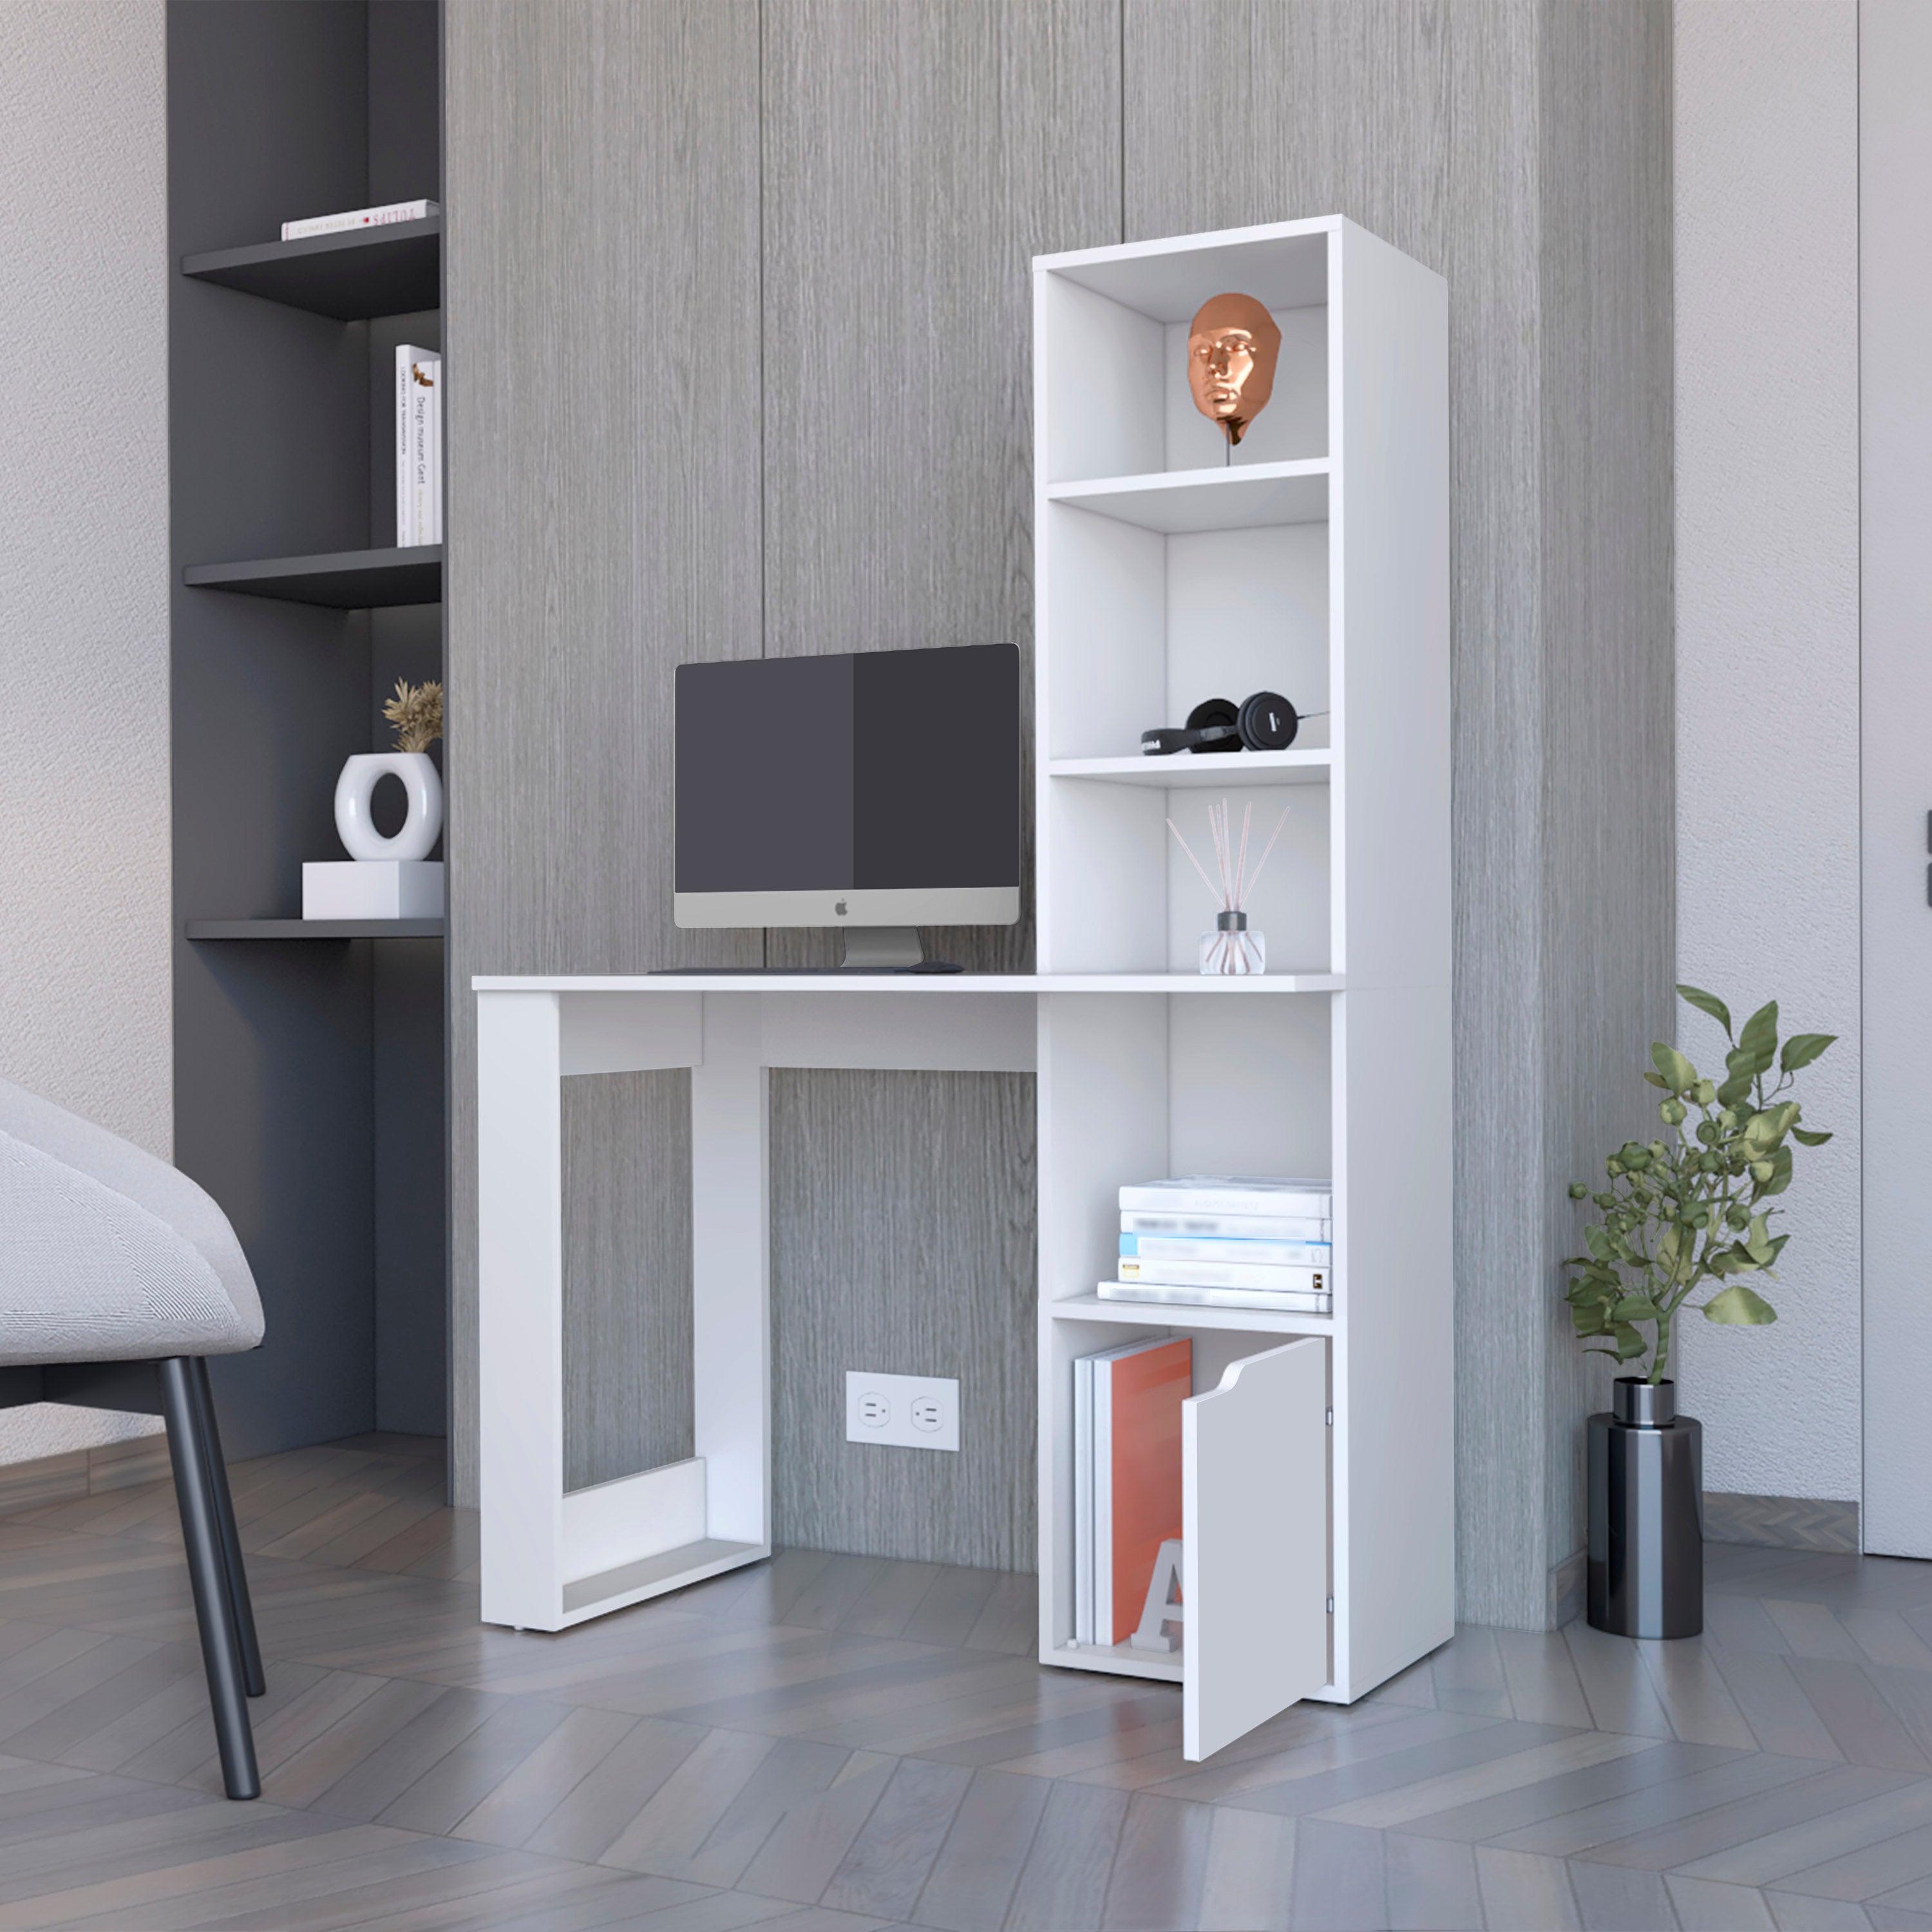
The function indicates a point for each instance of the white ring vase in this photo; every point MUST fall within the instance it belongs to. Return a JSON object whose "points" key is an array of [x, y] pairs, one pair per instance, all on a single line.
{"points": [[353, 789]]}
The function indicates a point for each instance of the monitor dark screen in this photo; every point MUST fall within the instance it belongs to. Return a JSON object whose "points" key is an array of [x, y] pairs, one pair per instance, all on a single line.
{"points": [[877, 770]]}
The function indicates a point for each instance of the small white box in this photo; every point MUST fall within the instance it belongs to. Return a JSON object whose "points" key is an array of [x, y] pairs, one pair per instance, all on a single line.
{"points": [[373, 888]]}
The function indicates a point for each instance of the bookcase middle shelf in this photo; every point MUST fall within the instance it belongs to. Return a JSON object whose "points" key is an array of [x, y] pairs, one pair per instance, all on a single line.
{"points": [[349, 580]]}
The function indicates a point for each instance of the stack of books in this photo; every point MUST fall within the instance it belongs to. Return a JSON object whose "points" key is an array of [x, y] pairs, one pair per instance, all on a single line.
{"points": [[1228, 1241], [1127, 1479], [418, 446]]}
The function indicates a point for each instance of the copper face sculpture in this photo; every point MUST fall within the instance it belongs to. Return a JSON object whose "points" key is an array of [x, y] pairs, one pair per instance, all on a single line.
{"points": [[1232, 347]]}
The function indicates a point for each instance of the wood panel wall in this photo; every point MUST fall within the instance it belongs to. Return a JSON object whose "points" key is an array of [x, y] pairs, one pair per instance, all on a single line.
{"points": [[899, 235], [604, 519], [852, 472], [934, 1276], [1609, 626]]}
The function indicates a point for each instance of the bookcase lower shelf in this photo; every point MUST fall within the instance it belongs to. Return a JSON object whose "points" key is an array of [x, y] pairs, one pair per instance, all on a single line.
{"points": [[1187, 1314], [1123, 1659]]}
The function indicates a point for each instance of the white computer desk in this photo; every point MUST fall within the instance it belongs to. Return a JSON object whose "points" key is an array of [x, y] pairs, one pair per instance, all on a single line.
{"points": [[550, 1559]]}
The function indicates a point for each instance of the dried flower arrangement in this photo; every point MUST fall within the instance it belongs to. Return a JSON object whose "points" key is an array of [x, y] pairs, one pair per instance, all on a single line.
{"points": [[416, 712]]}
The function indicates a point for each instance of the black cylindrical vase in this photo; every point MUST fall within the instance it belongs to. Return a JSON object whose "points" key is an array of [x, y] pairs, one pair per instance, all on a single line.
{"points": [[1646, 1515]]}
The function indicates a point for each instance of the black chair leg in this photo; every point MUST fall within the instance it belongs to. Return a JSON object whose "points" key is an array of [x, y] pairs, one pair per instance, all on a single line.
{"points": [[213, 1607], [231, 1541]]}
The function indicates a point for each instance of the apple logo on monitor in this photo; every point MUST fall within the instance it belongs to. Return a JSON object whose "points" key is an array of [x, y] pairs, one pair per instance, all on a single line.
{"points": [[840, 908]]}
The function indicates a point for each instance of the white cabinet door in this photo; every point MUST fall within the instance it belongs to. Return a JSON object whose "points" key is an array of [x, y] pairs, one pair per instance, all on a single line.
{"points": [[1255, 1556]]}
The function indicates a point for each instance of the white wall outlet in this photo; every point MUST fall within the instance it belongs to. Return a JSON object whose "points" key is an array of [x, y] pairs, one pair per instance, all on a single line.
{"points": [[910, 1411]]}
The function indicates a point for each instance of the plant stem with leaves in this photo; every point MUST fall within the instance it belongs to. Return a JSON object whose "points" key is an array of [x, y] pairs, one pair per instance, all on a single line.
{"points": [[1689, 1208]]}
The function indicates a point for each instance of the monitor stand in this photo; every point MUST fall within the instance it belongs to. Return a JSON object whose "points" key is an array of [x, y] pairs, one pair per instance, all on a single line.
{"points": [[881, 949], [887, 948], [868, 949]]}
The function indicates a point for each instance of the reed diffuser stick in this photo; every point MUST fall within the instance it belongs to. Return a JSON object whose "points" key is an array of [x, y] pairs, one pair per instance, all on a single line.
{"points": [[1191, 860], [1231, 862], [1272, 837]]}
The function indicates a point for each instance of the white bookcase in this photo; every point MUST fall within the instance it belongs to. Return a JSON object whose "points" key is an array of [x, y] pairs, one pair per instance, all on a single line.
{"points": [[1319, 1451]]}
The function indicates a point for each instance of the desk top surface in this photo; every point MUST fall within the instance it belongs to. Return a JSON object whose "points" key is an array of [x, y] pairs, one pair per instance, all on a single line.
{"points": [[926, 984]]}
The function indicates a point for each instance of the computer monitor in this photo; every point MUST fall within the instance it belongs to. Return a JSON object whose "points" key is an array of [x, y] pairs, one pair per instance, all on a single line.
{"points": [[872, 789]]}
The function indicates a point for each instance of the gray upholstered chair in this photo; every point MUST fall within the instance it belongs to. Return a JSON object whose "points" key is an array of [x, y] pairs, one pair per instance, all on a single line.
{"points": [[119, 1278]]}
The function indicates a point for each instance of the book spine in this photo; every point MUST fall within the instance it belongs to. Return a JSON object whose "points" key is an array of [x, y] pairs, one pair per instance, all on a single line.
{"points": [[1194, 1248], [1103, 1502], [358, 217], [1209, 1201], [1083, 1501], [423, 455], [429, 505], [406, 516], [1227, 1274], [1232, 1227]]}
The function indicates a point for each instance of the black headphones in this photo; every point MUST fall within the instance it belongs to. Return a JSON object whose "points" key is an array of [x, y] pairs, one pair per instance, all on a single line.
{"points": [[1265, 722]]}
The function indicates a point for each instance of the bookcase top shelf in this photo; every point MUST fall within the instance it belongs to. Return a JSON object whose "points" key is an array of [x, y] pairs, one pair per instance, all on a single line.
{"points": [[347, 579], [393, 270], [314, 929]]}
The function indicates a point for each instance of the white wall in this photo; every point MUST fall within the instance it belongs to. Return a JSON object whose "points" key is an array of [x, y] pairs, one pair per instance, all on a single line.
{"points": [[1767, 398], [85, 980], [1895, 620]]}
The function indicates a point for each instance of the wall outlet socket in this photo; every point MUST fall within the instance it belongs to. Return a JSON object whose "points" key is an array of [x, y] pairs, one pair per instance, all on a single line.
{"points": [[910, 1411]]}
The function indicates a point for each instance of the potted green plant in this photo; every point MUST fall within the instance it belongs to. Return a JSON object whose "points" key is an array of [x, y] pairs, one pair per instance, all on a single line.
{"points": [[1682, 1214]]}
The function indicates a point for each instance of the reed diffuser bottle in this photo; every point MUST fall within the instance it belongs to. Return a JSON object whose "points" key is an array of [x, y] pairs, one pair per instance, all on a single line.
{"points": [[1232, 948]]}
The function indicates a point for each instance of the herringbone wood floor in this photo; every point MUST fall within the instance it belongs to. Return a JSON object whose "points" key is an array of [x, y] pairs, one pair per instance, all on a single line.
{"points": [[830, 1742]]}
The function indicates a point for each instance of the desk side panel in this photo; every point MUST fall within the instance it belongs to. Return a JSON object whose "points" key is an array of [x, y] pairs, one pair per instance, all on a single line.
{"points": [[730, 1270], [519, 1340]]}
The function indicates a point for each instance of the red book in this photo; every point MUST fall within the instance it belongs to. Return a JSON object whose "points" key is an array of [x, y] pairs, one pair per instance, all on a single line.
{"points": [[1137, 1399]]}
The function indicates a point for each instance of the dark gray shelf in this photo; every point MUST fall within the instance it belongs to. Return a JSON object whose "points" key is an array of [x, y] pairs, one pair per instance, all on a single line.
{"points": [[314, 929], [302, 1047], [394, 270], [347, 579]]}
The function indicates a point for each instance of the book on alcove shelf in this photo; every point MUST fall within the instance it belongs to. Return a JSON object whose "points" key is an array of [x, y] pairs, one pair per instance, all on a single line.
{"points": [[1229, 1227], [418, 446], [1180, 1294], [358, 218], [1271, 1277], [1230, 1194], [1152, 1249]]}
